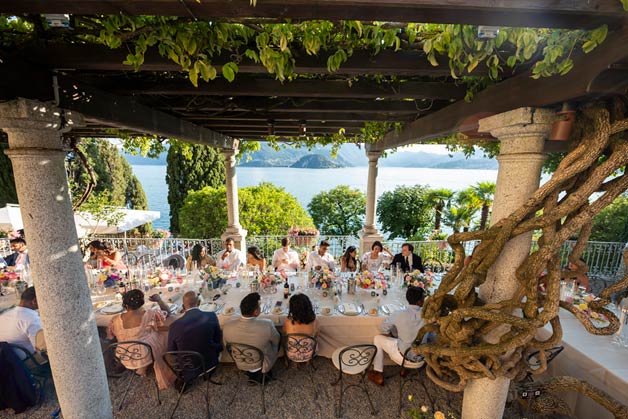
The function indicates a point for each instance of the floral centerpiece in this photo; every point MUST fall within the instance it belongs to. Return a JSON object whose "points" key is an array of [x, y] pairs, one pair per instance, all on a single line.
{"points": [[109, 278], [214, 277], [582, 304], [268, 282], [160, 276], [322, 278], [371, 280], [418, 279], [9, 277], [303, 236]]}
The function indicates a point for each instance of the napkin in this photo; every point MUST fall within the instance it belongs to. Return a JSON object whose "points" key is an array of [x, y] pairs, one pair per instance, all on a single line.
{"points": [[351, 308]]}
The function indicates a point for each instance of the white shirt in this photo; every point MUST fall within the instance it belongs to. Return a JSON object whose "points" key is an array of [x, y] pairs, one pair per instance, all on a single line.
{"points": [[373, 265], [20, 325], [314, 259], [232, 261], [291, 256], [407, 322]]}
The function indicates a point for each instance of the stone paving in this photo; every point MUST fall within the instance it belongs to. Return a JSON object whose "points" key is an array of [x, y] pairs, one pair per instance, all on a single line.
{"points": [[298, 402]]}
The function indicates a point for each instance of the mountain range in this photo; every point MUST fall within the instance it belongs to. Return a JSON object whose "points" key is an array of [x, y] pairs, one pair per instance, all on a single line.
{"points": [[349, 155]]}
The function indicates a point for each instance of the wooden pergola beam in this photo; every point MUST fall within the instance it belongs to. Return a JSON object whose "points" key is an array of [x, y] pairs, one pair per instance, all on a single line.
{"points": [[265, 87], [596, 74], [126, 113], [529, 13], [100, 58], [295, 116]]}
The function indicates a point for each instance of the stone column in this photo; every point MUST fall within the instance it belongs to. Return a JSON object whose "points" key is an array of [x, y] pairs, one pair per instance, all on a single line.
{"points": [[234, 229], [522, 133], [37, 155], [369, 232]]}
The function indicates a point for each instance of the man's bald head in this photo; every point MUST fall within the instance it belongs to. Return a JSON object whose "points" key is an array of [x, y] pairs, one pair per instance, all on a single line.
{"points": [[190, 300]]}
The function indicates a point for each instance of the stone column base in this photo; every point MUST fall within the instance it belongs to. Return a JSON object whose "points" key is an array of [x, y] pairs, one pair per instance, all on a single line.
{"points": [[238, 234], [368, 235]]}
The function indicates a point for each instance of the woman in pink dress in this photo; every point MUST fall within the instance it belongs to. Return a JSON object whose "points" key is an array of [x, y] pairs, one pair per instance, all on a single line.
{"points": [[146, 326]]}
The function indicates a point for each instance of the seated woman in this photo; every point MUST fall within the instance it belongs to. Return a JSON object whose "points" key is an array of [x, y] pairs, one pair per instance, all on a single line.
{"points": [[301, 319], [254, 257], [200, 257], [577, 271], [107, 255], [348, 261], [145, 326], [375, 259]]}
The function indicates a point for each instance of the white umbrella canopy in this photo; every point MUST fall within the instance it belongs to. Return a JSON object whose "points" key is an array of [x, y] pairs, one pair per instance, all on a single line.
{"points": [[11, 218], [87, 223]]}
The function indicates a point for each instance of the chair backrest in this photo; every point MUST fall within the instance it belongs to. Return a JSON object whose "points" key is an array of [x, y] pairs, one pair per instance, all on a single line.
{"points": [[300, 347], [147, 260], [535, 363], [186, 365], [132, 352], [174, 261], [357, 357], [246, 357]]}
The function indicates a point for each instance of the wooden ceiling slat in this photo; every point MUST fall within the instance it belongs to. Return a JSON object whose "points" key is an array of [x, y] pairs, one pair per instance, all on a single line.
{"points": [[528, 13]]}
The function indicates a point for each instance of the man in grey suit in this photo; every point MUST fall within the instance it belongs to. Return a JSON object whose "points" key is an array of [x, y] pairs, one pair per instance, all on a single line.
{"points": [[252, 330]]}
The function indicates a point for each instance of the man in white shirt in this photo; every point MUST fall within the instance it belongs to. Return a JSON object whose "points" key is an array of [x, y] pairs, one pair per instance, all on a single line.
{"points": [[320, 259], [230, 258], [405, 324], [284, 259], [21, 325]]}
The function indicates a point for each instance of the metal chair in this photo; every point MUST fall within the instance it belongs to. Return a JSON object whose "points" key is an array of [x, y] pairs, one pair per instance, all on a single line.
{"points": [[248, 359], [147, 260], [535, 363], [414, 364], [132, 351], [353, 360], [39, 370], [188, 366], [301, 349]]}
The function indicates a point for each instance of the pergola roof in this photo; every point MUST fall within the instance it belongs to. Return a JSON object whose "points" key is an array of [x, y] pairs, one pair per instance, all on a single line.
{"points": [[159, 99]]}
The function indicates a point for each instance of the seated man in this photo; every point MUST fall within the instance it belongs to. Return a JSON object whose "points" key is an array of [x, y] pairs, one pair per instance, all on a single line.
{"points": [[407, 324], [19, 257], [408, 260], [319, 259], [197, 331], [230, 258], [21, 325], [284, 259], [251, 330]]}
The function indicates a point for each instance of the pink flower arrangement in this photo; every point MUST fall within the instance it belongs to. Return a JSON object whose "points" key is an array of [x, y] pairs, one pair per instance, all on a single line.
{"points": [[418, 279], [371, 280], [322, 279], [303, 231]]}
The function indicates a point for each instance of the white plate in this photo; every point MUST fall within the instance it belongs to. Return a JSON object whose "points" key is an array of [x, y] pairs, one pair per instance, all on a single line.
{"points": [[390, 308], [350, 309], [211, 307], [278, 311], [112, 309]]}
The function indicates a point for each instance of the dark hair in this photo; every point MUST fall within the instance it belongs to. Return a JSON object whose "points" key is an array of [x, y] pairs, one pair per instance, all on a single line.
{"points": [[196, 252], [249, 304], [285, 241], [229, 240], [377, 243], [301, 310], [17, 240], [410, 246], [255, 252], [133, 299], [414, 295], [96, 244], [324, 243], [347, 256], [28, 294]]}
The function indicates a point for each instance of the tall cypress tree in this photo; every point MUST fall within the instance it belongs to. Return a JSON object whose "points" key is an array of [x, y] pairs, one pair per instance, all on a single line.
{"points": [[191, 169]]}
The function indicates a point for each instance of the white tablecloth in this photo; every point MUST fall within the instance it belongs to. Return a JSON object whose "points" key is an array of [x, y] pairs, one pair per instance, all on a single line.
{"points": [[336, 330], [592, 358]]}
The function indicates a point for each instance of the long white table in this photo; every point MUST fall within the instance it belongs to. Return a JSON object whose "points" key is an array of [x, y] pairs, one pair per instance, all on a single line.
{"points": [[591, 358]]}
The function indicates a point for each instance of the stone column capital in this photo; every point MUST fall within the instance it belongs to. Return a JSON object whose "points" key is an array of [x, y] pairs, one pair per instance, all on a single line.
{"points": [[231, 152], [373, 156], [25, 114], [522, 130]]}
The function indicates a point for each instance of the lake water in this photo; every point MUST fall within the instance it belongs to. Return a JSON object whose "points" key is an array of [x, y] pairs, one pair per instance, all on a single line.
{"points": [[305, 183]]}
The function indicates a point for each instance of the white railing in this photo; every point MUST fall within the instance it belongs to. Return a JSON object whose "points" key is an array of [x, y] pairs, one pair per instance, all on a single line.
{"points": [[603, 258]]}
